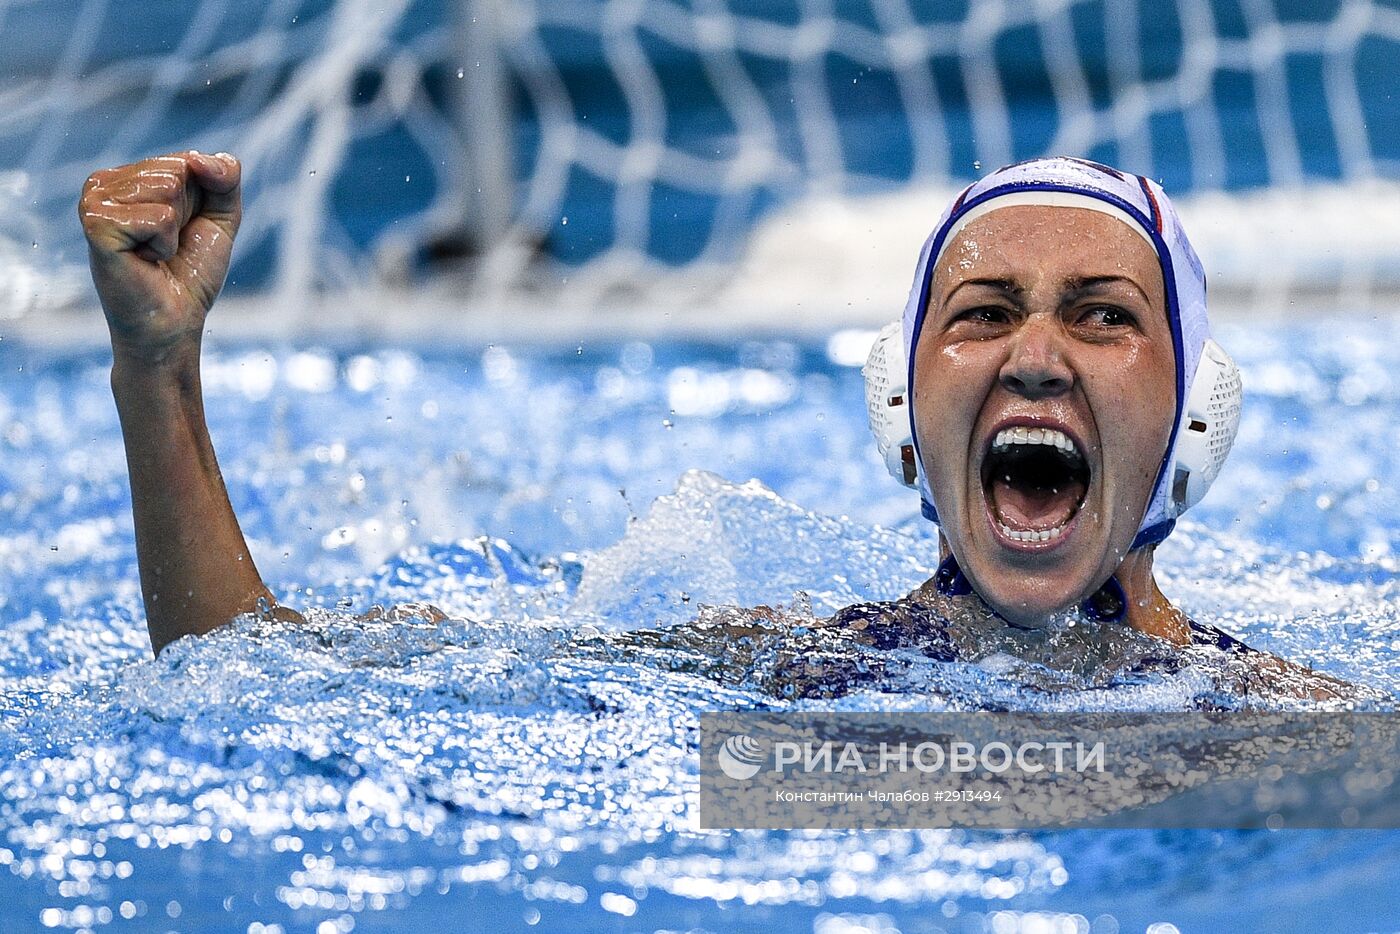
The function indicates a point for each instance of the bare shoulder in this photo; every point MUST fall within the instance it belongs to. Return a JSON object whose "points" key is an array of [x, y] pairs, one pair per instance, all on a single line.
{"points": [[1255, 673], [1259, 674]]}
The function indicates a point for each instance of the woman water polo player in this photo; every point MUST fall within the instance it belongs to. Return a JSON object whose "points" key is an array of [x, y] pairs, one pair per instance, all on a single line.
{"points": [[1052, 392]]}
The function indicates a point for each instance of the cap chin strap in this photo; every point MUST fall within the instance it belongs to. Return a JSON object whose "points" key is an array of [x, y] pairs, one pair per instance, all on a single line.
{"points": [[1108, 604], [1153, 534], [950, 580]]}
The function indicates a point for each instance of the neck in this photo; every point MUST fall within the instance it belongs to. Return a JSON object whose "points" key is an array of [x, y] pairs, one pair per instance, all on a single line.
{"points": [[1148, 610]]}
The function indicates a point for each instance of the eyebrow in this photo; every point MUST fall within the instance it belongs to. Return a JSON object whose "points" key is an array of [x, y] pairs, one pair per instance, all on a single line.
{"points": [[1001, 284], [1095, 283], [1075, 284]]}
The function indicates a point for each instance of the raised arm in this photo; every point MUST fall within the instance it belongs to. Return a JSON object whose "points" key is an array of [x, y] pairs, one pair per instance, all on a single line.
{"points": [[159, 234]]}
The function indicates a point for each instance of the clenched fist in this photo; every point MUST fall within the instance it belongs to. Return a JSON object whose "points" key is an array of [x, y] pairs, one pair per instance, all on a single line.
{"points": [[160, 233]]}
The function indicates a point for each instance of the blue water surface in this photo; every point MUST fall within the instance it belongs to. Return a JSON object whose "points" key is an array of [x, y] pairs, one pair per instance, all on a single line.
{"points": [[509, 767]]}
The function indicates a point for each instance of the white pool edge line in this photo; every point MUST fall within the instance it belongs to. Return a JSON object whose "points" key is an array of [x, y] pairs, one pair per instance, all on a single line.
{"points": [[411, 318], [406, 319], [244, 319]]}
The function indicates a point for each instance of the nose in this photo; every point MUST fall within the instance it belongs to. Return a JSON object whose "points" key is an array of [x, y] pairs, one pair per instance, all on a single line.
{"points": [[1035, 365]]}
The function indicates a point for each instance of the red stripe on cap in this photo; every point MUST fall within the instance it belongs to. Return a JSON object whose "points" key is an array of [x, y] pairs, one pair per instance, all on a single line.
{"points": [[1152, 201], [958, 203]]}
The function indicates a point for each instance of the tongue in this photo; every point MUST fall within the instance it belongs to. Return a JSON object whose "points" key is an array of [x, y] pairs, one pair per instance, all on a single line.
{"points": [[1027, 508]]}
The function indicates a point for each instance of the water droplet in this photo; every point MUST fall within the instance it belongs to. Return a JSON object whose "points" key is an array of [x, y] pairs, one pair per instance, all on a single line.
{"points": [[408, 178], [461, 72], [666, 423], [977, 165], [564, 220], [312, 173]]}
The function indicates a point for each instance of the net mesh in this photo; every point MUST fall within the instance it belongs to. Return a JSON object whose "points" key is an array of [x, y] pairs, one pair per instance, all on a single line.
{"points": [[593, 145]]}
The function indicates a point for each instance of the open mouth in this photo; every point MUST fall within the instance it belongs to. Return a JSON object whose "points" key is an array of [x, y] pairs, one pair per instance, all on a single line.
{"points": [[1035, 480]]}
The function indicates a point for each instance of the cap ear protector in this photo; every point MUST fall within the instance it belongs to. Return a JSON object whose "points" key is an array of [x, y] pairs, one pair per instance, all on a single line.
{"points": [[887, 404], [1209, 419], [1209, 422]]}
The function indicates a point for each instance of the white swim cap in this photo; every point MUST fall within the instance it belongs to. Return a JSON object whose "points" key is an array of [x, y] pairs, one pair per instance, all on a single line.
{"points": [[1207, 397]]}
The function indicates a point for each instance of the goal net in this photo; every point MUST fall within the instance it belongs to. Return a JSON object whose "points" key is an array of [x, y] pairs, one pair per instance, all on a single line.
{"points": [[789, 151]]}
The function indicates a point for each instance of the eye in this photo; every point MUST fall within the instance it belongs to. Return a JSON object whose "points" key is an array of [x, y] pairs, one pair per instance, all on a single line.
{"points": [[1108, 316], [984, 314]]}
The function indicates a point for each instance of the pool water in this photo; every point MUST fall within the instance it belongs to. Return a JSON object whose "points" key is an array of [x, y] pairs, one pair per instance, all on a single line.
{"points": [[519, 764]]}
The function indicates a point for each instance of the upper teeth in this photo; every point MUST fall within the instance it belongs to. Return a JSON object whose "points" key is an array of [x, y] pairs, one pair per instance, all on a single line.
{"points": [[1051, 436]]}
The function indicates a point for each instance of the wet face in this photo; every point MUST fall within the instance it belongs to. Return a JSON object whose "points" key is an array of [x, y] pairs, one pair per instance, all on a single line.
{"points": [[1044, 390]]}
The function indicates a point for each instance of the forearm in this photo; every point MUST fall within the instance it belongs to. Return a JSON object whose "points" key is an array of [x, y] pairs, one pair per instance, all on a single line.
{"points": [[196, 572]]}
